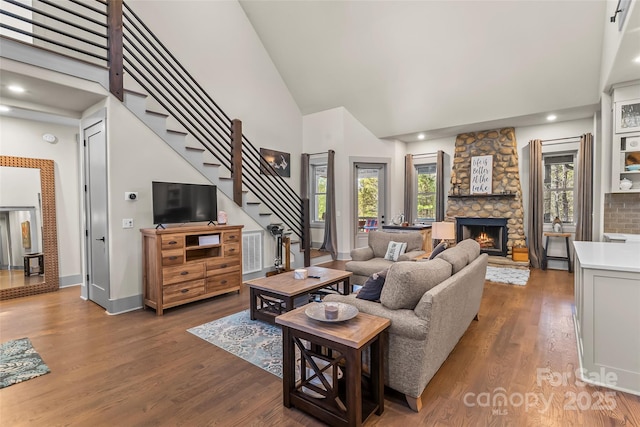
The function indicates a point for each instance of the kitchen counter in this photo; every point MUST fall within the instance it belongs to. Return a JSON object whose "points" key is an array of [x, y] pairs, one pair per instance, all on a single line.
{"points": [[606, 315], [622, 237], [609, 255]]}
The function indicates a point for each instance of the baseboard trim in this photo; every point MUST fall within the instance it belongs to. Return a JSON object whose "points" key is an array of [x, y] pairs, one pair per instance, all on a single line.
{"points": [[124, 305], [68, 281]]}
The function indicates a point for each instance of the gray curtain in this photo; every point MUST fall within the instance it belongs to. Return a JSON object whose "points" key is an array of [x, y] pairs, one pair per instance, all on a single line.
{"points": [[584, 185], [330, 243], [536, 199], [409, 179], [440, 196], [304, 193]]}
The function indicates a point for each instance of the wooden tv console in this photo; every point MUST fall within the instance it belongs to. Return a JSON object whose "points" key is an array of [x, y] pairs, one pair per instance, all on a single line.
{"points": [[190, 263]]}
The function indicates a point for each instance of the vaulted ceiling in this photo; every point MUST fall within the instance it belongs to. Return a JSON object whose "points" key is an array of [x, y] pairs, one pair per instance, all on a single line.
{"points": [[439, 67]]}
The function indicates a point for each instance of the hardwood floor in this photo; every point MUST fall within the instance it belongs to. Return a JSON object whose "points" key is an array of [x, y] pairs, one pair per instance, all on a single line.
{"points": [[137, 369]]}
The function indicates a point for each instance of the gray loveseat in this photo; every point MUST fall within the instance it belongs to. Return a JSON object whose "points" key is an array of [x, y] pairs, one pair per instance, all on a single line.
{"points": [[430, 305], [370, 259]]}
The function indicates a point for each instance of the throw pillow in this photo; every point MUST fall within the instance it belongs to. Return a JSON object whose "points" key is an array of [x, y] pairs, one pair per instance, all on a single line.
{"points": [[394, 250], [441, 247], [372, 288]]}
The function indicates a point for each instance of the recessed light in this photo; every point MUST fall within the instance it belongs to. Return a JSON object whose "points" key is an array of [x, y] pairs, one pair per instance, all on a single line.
{"points": [[636, 59], [15, 88], [4, 108], [551, 117], [421, 136]]}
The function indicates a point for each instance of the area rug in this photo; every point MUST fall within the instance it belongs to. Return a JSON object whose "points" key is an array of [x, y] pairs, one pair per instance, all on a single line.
{"points": [[257, 342], [19, 362], [512, 276]]}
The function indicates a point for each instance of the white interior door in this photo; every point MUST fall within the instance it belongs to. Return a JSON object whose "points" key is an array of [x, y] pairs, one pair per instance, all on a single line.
{"points": [[97, 244]]}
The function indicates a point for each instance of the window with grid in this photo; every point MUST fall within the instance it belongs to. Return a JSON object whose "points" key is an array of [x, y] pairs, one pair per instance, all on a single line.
{"points": [[426, 192], [318, 192], [559, 197]]}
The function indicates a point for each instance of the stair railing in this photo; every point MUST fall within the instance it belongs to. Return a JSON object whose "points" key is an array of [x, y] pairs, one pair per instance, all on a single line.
{"points": [[108, 33]]}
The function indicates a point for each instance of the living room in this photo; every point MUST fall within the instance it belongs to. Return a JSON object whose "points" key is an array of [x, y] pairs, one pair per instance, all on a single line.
{"points": [[136, 158]]}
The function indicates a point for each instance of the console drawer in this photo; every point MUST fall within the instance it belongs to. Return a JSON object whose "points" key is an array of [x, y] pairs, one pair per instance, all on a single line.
{"points": [[182, 273], [172, 242], [223, 282], [231, 249], [182, 291], [231, 236], [172, 257], [223, 265]]}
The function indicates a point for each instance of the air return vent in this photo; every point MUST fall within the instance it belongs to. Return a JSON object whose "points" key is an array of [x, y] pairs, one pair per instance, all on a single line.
{"points": [[251, 252]]}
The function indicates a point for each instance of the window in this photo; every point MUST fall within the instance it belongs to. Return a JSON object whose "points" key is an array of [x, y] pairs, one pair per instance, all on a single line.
{"points": [[559, 200], [425, 192], [318, 192]]}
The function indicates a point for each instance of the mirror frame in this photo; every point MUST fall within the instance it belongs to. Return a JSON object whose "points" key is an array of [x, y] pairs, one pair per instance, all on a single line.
{"points": [[49, 227]]}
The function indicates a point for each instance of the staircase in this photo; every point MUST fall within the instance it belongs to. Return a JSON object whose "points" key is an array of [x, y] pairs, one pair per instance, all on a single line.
{"points": [[110, 35], [194, 154]]}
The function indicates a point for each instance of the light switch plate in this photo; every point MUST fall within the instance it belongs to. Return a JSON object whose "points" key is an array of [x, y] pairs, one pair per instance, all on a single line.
{"points": [[127, 223]]}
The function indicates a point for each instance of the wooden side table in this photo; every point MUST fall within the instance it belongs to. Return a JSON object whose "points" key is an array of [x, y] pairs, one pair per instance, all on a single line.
{"points": [[344, 402], [546, 257]]}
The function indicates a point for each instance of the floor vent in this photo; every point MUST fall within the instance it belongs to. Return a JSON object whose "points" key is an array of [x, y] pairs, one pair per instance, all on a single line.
{"points": [[251, 252]]}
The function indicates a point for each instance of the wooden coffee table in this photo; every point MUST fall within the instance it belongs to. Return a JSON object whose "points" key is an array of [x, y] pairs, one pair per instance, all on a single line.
{"points": [[274, 295], [346, 401]]}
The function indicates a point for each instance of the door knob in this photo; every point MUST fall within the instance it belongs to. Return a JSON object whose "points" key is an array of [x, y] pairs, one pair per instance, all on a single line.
{"points": [[101, 238]]}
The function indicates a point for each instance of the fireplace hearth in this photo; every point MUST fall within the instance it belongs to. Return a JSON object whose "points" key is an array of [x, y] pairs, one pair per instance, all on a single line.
{"points": [[490, 233]]}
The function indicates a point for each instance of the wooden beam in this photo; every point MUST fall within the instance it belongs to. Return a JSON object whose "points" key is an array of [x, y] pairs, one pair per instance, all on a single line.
{"points": [[114, 32], [236, 160]]}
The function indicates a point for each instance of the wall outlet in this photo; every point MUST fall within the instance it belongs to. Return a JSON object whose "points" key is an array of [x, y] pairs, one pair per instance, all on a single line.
{"points": [[127, 223], [131, 195]]}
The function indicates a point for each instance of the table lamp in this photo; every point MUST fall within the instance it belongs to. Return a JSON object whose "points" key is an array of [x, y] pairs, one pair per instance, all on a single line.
{"points": [[443, 231]]}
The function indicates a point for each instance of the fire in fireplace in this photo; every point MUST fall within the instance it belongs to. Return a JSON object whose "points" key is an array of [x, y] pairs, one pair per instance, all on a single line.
{"points": [[490, 233]]}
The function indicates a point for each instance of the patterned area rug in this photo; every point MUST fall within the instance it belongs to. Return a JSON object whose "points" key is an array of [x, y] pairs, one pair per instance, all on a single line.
{"points": [[19, 362], [512, 276], [255, 341]]}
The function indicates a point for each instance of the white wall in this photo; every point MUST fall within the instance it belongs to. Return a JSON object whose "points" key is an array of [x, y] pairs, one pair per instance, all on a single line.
{"points": [[136, 157], [23, 138], [216, 43], [338, 130]]}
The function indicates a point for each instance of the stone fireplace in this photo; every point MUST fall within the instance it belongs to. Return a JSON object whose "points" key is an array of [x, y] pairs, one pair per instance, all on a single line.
{"points": [[501, 206]]}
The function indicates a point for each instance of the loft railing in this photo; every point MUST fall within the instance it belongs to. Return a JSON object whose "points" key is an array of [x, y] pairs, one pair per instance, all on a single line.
{"points": [[109, 33], [74, 28]]}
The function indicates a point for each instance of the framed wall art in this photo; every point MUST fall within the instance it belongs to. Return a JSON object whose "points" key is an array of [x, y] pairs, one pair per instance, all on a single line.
{"points": [[481, 175], [279, 161], [627, 116]]}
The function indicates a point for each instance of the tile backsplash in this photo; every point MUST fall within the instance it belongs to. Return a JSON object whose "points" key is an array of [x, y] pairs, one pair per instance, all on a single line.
{"points": [[622, 213]]}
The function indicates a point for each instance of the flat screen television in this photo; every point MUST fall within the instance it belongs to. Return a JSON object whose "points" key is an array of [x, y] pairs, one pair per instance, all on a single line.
{"points": [[179, 203]]}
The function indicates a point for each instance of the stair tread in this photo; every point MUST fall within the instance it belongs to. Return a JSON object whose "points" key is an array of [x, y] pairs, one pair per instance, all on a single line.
{"points": [[178, 132], [194, 148], [133, 92], [156, 113]]}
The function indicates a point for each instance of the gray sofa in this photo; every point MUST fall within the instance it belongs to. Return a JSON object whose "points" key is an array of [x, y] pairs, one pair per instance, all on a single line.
{"points": [[370, 259], [430, 304]]}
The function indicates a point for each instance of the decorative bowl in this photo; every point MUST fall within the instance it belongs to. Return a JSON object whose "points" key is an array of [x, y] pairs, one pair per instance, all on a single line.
{"points": [[316, 311], [633, 167]]}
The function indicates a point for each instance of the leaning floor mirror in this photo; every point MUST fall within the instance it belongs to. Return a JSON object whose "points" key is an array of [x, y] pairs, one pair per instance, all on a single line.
{"points": [[28, 231]]}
